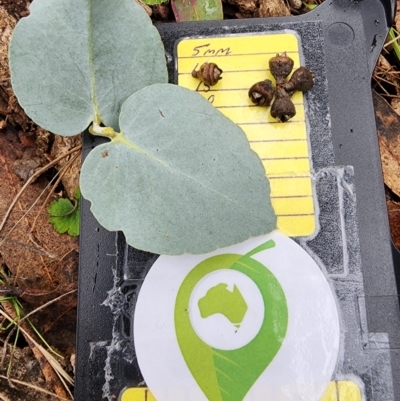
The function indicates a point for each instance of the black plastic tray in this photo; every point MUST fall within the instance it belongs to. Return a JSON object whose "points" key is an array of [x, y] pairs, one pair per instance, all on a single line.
{"points": [[341, 41]]}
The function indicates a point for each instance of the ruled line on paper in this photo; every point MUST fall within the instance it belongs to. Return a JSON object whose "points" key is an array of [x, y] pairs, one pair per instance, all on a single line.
{"points": [[284, 177], [271, 122], [266, 70], [285, 158], [217, 89], [277, 140], [230, 71], [249, 105], [294, 214], [290, 196], [208, 90], [209, 55]]}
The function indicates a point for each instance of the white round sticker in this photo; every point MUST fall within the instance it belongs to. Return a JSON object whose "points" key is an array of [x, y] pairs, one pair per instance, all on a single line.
{"points": [[279, 340]]}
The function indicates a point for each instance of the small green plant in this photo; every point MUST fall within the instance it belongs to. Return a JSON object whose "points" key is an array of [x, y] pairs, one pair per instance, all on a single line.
{"points": [[393, 37], [310, 6], [64, 215], [16, 305], [10, 295], [176, 176]]}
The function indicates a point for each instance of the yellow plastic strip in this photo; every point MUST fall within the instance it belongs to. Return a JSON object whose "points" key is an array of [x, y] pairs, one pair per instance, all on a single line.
{"points": [[283, 147], [292, 206], [137, 394], [276, 167], [330, 393], [280, 132], [291, 186], [348, 391], [336, 391]]}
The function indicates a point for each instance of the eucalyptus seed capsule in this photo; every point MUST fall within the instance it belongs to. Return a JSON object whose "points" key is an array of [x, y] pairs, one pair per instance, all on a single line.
{"points": [[261, 93], [280, 66], [301, 80], [282, 108], [209, 74]]}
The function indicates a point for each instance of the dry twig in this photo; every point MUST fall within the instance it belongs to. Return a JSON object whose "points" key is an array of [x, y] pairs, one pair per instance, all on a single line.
{"points": [[46, 305], [51, 375], [32, 386]]}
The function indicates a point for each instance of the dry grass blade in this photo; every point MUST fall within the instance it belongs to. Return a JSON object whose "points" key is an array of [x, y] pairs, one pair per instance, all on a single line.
{"points": [[6, 344], [4, 397], [5, 237], [27, 247], [45, 305], [395, 39], [385, 80], [382, 87], [62, 374], [40, 353], [32, 386], [389, 69]]}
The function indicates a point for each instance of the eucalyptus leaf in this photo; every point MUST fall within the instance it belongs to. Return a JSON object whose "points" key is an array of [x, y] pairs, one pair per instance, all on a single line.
{"points": [[180, 177], [76, 61]]}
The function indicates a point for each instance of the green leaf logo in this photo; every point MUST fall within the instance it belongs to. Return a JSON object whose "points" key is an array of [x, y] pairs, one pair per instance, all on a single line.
{"points": [[228, 374]]}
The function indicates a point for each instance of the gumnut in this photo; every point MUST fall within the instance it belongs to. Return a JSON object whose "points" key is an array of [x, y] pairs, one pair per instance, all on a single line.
{"points": [[301, 80], [261, 93], [280, 66], [282, 108], [209, 74]]}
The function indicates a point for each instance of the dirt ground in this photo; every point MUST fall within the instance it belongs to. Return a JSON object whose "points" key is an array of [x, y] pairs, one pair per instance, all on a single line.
{"points": [[39, 267], [34, 259]]}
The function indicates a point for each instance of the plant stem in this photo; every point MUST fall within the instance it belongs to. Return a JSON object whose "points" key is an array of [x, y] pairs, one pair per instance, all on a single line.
{"points": [[96, 129]]}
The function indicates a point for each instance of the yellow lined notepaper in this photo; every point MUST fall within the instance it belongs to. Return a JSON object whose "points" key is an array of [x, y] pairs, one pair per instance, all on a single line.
{"points": [[282, 147]]}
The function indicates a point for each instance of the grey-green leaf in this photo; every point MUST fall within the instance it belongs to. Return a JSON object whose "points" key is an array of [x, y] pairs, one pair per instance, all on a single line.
{"points": [[74, 61], [181, 178]]}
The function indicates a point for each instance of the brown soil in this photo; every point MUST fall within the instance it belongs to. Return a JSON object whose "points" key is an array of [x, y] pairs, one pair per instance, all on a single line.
{"points": [[34, 259]]}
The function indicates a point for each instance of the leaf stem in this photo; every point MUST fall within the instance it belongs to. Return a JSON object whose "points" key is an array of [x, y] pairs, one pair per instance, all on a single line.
{"points": [[108, 132]]}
